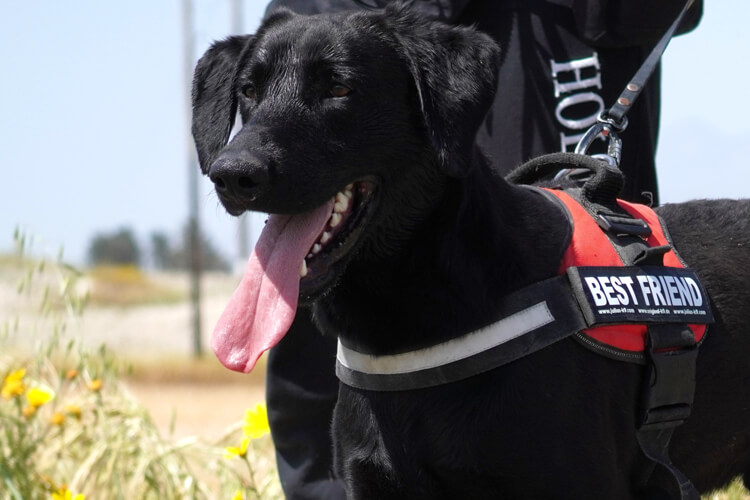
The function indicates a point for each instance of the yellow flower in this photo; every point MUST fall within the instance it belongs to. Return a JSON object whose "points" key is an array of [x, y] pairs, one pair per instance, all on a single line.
{"points": [[73, 410], [71, 374], [233, 451], [13, 385], [29, 411], [64, 494], [57, 418], [238, 495], [256, 422], [95, 385], [38, 396]]}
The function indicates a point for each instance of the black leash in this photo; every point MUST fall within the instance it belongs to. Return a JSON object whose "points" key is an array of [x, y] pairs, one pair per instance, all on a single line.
{"points": [[612, 121], [616, 114]]}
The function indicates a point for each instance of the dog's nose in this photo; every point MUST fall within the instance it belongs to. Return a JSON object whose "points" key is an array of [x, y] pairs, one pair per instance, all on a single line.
{"points": [[242, 179]]}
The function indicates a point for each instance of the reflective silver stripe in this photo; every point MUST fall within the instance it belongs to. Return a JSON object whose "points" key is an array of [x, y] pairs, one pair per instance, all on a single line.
{"points": [[463, 347]]}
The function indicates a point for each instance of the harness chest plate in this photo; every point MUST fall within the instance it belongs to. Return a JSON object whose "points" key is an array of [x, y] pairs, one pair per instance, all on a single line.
{"points": [[620, 298]]}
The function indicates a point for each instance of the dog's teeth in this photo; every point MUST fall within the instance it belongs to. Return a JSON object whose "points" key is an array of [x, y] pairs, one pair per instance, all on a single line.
{"points": [[303, 269], [325, 237], [342, 203], [335, 220], [316, 249]]}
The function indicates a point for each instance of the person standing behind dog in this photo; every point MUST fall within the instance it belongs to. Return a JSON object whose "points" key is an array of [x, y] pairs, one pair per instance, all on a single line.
{"points": [[563, 63]]}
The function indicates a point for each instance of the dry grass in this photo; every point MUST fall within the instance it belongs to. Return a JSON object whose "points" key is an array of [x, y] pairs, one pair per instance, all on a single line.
{"points": [[89, 435], [188, 370], [126, 285]]}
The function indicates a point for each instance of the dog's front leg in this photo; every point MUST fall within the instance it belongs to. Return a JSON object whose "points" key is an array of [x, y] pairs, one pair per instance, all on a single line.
{"points": [[369, 458]]}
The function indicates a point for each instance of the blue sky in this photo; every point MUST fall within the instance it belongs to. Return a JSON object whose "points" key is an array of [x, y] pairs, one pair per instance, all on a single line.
{"points": [[92, 135]]}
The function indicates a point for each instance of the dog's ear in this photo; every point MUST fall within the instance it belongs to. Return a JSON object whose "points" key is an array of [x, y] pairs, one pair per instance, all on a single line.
{"points": [[455, 70], [214, 92], [214, 99]]}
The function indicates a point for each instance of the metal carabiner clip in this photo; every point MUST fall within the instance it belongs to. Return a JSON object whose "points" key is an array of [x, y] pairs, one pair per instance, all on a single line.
{"points": [[607, 129]]}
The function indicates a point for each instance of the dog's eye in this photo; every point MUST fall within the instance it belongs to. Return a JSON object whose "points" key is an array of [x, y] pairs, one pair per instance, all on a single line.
{"points": [[339, 90], [250, 92]]}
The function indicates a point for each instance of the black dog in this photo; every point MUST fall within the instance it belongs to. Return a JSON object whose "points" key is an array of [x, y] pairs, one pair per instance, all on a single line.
{"points": [[355, 137]]}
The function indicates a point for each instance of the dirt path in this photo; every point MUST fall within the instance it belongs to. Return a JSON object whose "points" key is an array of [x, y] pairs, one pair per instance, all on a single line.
{"points": [[205, 410]]}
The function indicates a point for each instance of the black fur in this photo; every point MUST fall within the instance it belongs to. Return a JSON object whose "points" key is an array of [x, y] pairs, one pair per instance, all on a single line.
{"points": [[446, 238]]}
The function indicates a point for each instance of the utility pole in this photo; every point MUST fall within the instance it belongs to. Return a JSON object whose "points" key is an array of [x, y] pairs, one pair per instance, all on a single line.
{"points": [[194, 246], [243, 221]]}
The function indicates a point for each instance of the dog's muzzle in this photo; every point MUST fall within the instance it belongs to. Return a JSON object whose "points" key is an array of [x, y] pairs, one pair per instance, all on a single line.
{"points": [[239, 179]]}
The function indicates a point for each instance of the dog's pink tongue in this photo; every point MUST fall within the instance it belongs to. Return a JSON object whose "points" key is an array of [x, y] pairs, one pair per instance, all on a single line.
{"points": [[262, 308]]}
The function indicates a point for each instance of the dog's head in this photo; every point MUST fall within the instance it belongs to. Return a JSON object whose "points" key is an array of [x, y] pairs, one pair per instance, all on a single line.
{"points": [[341, 115]]}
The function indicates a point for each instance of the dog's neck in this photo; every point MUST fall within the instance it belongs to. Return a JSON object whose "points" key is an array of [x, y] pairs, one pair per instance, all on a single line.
{"points": [[486, 239]]}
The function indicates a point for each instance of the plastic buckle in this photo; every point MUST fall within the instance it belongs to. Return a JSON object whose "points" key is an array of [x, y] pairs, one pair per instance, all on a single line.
{"points": [[669, 386], [623, 225]]}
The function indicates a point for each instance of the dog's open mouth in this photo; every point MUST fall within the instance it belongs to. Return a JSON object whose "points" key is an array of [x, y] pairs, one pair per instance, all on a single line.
{"points": [[296, 255], [351, 208]]}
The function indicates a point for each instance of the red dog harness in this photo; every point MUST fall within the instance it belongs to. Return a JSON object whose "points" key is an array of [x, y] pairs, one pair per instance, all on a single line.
{"points": [[620, 286], [590, 246]]}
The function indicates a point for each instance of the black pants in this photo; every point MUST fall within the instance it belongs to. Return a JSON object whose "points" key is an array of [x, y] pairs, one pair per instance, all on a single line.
{"points": [[301, 391], [551, 87]]}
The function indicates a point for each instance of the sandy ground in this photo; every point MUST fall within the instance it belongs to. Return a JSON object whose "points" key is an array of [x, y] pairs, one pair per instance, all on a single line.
{"points": [[205, 410]]}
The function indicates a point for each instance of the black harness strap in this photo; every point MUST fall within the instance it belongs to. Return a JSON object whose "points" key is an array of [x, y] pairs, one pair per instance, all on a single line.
{"points": [[518, 331], [669, 387]]}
